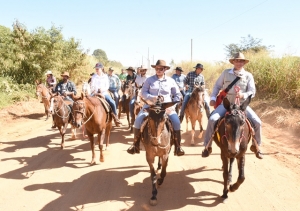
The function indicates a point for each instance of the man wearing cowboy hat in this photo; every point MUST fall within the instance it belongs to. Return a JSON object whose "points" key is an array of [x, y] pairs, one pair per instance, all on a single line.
{"points": [[161, 85], [51, 80], [247, 87], [189, 81], [139, 81], [114, 85], [179, 79], [66, 87], [100, 85], [130, 78]]}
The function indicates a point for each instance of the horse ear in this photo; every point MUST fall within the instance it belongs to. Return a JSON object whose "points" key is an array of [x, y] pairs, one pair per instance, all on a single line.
{"points": [[37, 82], [226, 104], [167, 105], [82, 96], [246, 103]]}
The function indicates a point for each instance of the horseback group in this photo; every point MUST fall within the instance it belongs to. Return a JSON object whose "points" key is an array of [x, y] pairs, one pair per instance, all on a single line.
{"points": [[232, 125]]}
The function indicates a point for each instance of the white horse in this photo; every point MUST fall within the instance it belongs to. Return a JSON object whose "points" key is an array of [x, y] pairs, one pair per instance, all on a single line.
{"points": [[86, 89]]}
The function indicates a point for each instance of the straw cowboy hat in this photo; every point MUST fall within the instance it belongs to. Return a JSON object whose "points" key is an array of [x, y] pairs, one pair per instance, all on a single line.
{"points": [[65, 74], [49, 72], [179, 69], [161, 63], [131, 69], [199, 66], [239, 56], [111, 69], [143, 68]]}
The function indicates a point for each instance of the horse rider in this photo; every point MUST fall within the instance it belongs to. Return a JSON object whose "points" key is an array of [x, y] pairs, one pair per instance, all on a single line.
{"points": [[66, 88], [179, 79], [114, 85], [50, 80], [123, 75], [100, 86], [139, 80], [130, 78], [155, 86], [189, 83], [247, 87]]}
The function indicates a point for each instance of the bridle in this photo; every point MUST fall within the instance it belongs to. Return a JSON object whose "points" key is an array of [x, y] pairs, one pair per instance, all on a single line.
{"points": [[82, 111], [40, 91], [63, 106]]}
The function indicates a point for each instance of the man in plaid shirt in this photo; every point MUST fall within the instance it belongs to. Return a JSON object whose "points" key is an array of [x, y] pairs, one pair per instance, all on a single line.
{"points": [[189, 82]]}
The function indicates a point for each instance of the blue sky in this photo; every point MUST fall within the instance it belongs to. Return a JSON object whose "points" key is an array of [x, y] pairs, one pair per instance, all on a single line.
{"points": [[126, 29]]}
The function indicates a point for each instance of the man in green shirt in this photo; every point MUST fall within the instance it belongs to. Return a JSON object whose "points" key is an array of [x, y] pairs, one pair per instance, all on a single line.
{"points": [[123, 75]]}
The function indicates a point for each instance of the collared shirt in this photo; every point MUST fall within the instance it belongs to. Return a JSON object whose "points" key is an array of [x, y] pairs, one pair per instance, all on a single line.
{"points": [[246, 78], [100, 82], [114, 82], [62, 87], [165, 87], [123, 76], [190, 79], [51, 81], [179, 79], [129, 77], [140, 80]]}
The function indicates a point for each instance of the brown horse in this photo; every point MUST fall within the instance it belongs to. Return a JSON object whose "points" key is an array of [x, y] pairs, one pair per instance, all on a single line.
{"points": [[90, 112], [43, 92], [232, 135], [158, 139], [194, 110], [62, 116], [127, 91], [138, 104]]}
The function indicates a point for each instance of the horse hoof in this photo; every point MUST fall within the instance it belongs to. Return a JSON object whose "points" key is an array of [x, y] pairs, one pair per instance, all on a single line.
{"points": [[106, 148], [192, 144], [225, 200], [93, 162], [62, 146], [102, 159], [160, 181], [153, 202]]}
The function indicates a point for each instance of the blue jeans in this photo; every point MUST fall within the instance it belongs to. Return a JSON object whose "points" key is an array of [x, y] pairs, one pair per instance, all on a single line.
{"points": [[111, 102], [131, 106], [220, 112], [142, 114], [116, 96]]}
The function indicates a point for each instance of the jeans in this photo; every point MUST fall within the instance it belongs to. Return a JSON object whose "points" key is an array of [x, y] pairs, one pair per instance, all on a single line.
{"points": [[142, 114], [116, 96], [111, 102], [220, 112], [131, 106]]}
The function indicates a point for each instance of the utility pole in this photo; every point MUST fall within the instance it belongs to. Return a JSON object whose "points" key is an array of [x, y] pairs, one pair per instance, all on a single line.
{"points": [[191, 50]]}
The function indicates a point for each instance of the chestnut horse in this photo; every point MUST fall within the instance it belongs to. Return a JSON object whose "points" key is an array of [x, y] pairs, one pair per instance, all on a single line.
{"points": [[43, 92], [138, 104], [232, 135], [157, 138], [62, 116], [90, 112], [127, 91], [194, 110]]}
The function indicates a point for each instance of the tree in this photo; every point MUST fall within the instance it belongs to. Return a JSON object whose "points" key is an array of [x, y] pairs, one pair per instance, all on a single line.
{"points": [[101, 56], [246, 44]]}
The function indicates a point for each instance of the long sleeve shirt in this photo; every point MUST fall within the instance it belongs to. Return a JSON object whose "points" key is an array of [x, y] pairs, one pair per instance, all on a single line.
{"points": [[140, 80], [51, 81], [165, 87], [190, 80], [246, 84], [114, 82], [179, 79], [100, 82], [62, 87]]}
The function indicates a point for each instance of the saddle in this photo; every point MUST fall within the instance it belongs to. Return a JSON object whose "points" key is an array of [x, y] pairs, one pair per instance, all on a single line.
{"points": [[105, 104]]}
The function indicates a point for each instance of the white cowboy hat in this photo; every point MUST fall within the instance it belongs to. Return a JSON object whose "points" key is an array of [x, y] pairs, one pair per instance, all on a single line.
{"points": [[49, 72]]}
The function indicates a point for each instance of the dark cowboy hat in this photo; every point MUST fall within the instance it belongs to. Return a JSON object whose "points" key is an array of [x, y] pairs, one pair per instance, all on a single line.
{"points": [[239, 56], [111, 69], [179, 68], [161, 63], [199, 66], [131, 69], [65, 74]]}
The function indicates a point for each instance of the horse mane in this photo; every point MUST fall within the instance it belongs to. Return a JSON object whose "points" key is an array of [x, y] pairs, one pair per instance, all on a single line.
{"points": [[194, 95]]}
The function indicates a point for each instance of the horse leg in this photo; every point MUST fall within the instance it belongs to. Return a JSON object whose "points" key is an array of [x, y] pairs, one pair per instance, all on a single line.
{"points": [[107, 135], [73, 130], [100, 141], [164, 169], [127, 113], [241, 178], [201, 128], [62, 133], [193, 122], [230, 173], [158, 164], [91, 138], [150, 160], [225, 175], [187, 122]]}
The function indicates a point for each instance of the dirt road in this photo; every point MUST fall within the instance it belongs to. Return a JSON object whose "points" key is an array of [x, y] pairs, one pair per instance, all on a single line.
{"points": [[35, 174]]}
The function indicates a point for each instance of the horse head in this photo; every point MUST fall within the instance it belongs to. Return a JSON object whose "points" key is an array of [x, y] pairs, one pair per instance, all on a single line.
{"points": [[127, 89], [138, 100], [197, 96], [56, 101], [79, 109], [235, 126]]}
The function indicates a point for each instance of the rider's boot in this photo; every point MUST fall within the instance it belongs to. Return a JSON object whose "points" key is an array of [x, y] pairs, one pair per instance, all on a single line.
{"points": [[123, 104], [117, 121], [257, 151], [135, 148], [177, 139]]}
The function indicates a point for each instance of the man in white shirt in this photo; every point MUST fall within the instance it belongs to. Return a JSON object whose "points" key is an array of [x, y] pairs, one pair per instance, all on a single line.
{"points": [[100, 85]]}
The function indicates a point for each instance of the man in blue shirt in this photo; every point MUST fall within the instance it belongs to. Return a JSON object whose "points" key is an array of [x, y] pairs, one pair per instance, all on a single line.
{"points": [[179, 79], [114, 85]]}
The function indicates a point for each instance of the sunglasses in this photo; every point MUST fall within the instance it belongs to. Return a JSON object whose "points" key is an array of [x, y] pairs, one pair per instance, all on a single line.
{"points": [[159, 69], [239, 60]]}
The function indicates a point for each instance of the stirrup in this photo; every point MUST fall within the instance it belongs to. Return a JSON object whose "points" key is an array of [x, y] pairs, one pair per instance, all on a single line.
{"points": [[206, 152], [133, 149], [179, 151]]}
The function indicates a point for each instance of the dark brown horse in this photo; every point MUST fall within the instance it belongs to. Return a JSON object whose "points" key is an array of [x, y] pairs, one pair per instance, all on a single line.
{"points": [[90, 112], [232, 135], [127, 91], [194, 111], [62, 116], [43, 92], [157, 138], [138, 104]]}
